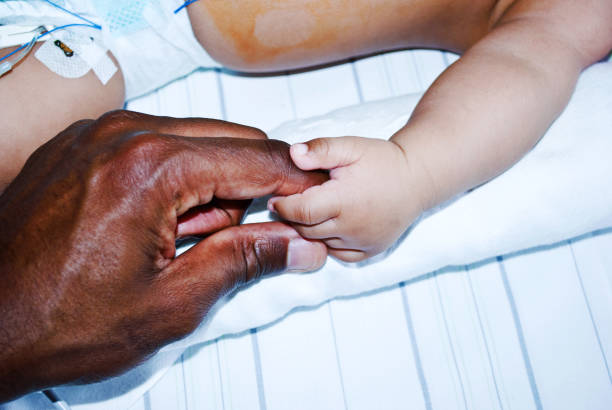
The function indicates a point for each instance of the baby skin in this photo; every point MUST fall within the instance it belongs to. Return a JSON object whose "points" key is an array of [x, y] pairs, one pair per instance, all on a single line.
{"points": [[520, 63], [373, 194]]}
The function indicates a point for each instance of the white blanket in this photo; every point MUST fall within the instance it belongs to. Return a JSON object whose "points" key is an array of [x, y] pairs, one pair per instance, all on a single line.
{"points": [[560, 190]]}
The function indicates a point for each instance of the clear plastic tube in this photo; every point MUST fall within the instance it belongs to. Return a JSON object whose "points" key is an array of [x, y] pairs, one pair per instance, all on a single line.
{"points": [[21, 52]]}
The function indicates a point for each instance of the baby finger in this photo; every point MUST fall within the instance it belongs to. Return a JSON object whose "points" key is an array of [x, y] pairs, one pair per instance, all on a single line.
{"points": [[324, 230], [348, 255], [315, 205]]}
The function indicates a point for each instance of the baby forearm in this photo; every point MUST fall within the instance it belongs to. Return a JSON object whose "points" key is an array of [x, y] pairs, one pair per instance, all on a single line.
{"points": [[486, 111]]}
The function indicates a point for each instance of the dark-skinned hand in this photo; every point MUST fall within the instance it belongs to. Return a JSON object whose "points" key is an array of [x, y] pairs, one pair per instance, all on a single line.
{"points": [[90, 282]]}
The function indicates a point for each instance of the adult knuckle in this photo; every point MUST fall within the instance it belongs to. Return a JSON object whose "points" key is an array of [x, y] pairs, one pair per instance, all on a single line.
{"points": [[130, 165], [277, 152], [117, 118], [278, 159], [269, 255], [109, 128], [142, 153], [144, 144], [246, 265], [80, 124], [257, 256], [256, 133]]}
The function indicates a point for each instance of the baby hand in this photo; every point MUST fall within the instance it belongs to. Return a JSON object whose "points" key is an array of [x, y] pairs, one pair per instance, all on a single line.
{"points": [[372, 196]]}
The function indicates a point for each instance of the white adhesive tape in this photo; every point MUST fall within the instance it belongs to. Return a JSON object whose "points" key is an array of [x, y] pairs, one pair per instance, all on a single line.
{"points": [[105, 69], [87, 54]]}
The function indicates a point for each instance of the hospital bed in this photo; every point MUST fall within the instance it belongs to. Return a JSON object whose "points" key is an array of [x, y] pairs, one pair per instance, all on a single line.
{"points": [[528, 330]]}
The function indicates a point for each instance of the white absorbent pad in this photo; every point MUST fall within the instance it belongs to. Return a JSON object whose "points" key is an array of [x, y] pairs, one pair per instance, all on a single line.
{"points": [[561, 189]]}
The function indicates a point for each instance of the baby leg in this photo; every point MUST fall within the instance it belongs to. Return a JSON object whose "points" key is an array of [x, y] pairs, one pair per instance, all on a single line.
{"points": [[36, 104]]}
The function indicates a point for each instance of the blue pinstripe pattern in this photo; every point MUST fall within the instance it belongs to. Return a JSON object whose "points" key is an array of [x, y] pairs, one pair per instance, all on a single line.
{"points": [[291, 97], [588, 305], [521, 336], [258, 370], [333, 329], [415, 347], [220, 373], [147, 401], [357, 82], [482, 333], [184, 380], [450, 342], [222, 103]]}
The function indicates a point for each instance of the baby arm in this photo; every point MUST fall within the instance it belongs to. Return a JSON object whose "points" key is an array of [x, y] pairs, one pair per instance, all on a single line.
{"points": [[488, 109], [36, 104], [478, 118]]}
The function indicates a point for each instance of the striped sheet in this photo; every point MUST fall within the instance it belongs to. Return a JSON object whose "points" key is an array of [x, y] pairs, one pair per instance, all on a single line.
{"points": [[531, 330]]}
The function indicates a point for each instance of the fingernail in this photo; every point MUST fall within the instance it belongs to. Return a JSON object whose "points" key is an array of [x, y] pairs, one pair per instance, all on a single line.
{"points": [[271, 203], [302, 255], [299, 149]]}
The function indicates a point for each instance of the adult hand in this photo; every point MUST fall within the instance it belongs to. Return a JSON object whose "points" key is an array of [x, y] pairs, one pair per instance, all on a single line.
{"points": [[90, 285]]}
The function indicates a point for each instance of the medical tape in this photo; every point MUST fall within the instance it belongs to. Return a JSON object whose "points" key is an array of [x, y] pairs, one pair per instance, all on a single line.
{"points": [[87, 55], [95, 55], [105, 69]]}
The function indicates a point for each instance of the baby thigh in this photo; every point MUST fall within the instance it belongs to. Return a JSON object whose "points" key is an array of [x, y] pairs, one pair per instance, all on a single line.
{"points": [[36, 104]]}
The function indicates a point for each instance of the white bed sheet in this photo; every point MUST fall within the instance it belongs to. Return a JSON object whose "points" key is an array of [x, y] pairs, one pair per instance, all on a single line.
{"points": [[530, 330]]}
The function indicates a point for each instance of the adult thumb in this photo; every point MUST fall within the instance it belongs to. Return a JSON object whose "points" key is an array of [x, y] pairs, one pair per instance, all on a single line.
{"points": [[242, 254]]}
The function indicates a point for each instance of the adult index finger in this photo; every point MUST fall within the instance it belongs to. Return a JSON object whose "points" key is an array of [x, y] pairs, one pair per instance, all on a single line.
{"points": [[192, 127], [231, 168], [209, 218]]}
